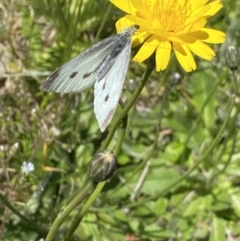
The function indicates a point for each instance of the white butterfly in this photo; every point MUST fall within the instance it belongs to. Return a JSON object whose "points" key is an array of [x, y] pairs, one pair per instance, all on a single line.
{"points": [[104, 64]]}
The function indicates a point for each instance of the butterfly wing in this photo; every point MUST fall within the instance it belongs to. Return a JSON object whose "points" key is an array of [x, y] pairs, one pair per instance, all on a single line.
{"points": [[79, 73], [107, 90]]}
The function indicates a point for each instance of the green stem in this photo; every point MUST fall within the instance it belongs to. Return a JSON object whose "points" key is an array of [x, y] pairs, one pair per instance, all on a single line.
{"points": [[83, 211], [103, 21], [61, 17], [233, 126], [151, 152], [73, 30], [218, 159], [123, 116], [75, 202], [229, 157], [98, 189]]}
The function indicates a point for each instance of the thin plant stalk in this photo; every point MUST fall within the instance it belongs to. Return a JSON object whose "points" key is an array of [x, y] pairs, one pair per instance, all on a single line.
{"points": [[123, 115], [71, 206]]}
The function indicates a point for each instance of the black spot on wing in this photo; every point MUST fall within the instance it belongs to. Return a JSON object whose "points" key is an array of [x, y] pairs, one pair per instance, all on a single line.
{"points": [[87, 75], [73, 74], [104, 85], [106, 98], [48, 83]]}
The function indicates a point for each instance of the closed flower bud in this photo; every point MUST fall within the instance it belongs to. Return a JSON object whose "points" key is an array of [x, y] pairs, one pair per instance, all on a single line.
{"points": [[175, 79], [102, 166], [232, 58]]}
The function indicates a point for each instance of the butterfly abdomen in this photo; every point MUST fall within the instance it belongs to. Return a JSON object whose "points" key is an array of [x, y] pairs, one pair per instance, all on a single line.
{"points": [[110, 59]]}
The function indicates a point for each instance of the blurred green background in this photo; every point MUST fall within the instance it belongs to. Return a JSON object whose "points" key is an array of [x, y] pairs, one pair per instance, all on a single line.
{"points": [[179, 165]]}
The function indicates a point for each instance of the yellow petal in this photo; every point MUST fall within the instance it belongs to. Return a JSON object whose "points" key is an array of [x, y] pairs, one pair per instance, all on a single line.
{"points": [[163, 54], [139, 37], [210, 35], [141, 22], [198, 3], [198, 47], [201, 9], [175, 39], [125, 5], [195, 26], [214, 8], [197, 14], [146, 50], [184, 57], [142, 9], [201, 50], [123, 23]]}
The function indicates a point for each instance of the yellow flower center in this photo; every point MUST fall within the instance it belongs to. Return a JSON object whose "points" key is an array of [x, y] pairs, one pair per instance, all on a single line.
{"points": [[169, 16]]}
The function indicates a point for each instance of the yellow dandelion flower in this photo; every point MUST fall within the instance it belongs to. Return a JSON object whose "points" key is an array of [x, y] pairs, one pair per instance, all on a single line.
{"points": [[166, 25]]}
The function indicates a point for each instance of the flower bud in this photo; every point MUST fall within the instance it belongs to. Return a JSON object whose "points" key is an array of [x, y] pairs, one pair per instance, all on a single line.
{"points": [[232, 58], [102, 166], [175, 78]]}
